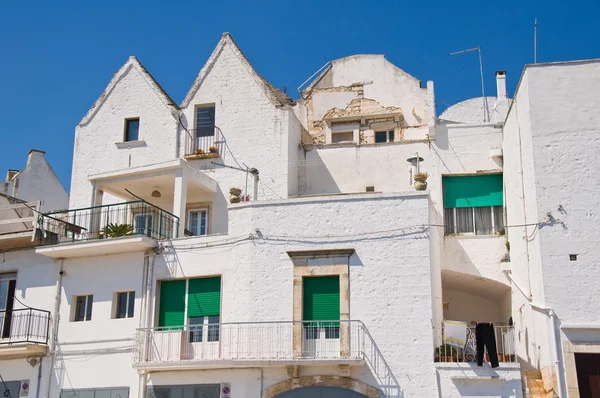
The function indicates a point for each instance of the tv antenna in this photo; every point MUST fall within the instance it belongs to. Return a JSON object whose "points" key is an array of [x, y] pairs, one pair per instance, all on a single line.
{"points": [[486, 116], [535, 42]]}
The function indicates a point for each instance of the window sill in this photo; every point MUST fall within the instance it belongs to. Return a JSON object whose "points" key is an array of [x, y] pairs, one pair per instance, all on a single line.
{"points": [[473, 236], [130, 144]]}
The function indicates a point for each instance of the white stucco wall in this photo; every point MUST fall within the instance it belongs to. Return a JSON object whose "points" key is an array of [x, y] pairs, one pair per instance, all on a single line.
{"points": [[37, 181], [390, 86], [470, 380], [130, 96]]}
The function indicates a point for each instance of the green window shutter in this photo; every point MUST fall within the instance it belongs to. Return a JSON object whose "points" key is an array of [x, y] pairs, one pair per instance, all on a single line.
{"points": [[321, 298], [172, 303], [204, 297], [473, 191]]}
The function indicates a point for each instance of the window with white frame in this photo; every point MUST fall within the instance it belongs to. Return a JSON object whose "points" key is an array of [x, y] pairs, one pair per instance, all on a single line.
{"points": [[125, 305], [473, 204], [384, 136], [346, 136], [83, 308], [198, 221]]}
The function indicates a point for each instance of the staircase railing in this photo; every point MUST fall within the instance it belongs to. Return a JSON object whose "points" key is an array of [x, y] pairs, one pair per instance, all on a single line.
{"points": [[388, 383]]}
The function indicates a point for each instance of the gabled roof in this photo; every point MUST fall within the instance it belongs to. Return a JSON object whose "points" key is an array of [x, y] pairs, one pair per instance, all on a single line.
{"points": [[132, 62], [275, 96]]}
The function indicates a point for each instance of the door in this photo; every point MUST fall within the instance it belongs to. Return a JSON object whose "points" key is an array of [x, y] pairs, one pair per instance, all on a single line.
{"points": [[320, 392], [204, 138], [321, 308], [143, 224], [588, 375], [8, 284]]}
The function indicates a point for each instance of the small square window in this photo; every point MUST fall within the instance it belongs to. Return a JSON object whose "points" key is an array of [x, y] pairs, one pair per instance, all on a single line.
{"points": [[132, 129], [125, 305], [573, 257], [384, 136], [342, 137], [83, 308]]}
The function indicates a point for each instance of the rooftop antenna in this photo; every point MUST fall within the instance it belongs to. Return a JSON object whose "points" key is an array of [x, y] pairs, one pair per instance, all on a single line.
{"points": [[486, 117], [535, 42]]}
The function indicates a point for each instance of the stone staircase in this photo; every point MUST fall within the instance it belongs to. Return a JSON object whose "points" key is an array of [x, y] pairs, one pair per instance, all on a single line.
{"points": [[538, 387]]}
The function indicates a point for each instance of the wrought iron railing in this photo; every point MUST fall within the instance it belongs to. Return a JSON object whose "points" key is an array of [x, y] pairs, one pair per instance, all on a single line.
{"points": [[204, 145], [24, 325], [504, 340], [250, 341], [109, 221]]}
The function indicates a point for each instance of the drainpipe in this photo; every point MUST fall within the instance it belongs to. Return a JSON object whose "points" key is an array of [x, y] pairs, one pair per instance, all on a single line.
{"points": [[55, 319], [556, 347], [39, 379], [147, 307]]}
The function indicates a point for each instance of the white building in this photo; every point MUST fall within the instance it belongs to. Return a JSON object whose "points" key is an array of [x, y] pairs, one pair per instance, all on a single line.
{"points": [[325, 273], [27, 280]]}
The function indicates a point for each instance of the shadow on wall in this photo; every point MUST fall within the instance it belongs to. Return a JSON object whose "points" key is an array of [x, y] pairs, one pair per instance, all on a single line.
{"points": [[314, 176]]}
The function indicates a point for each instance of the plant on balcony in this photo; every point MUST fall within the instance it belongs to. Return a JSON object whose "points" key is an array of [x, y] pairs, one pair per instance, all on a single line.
{"points": [[446, 353], [200, 152], [117, 230], [213, 149], [234, 195], [421, 181]]}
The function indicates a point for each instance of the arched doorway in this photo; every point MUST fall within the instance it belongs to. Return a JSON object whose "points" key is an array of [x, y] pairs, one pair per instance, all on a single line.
{"points": [[321, 392]]}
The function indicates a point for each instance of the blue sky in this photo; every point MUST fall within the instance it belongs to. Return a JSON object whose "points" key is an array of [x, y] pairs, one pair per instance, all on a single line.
{"points": [[58, 56]]}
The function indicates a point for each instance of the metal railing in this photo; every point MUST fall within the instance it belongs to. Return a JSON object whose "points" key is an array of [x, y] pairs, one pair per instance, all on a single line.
{"points": [[25, 325], [109, 221], [204, 145], [505, 347], [284, 341]]}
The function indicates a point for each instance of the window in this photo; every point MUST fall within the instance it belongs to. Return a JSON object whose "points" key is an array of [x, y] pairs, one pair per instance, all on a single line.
{"points": [[384, 136], [342, 137], [204, 328], [125, 305], [321, 302], [83, 308], [205, 121], [143, 224], [203, 307], [197, 221], [132, 129], [473, 204], [8, 284]]}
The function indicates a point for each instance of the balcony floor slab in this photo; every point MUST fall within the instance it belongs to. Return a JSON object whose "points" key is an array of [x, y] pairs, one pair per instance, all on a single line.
{"points": [[242, 363], [98, 247]]}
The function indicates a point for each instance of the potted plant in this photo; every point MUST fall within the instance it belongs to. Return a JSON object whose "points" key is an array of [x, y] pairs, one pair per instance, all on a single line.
{"points": [[421, 181], [234, 195], [213, 149], [199, 151], [446, 353], [117, 230]]}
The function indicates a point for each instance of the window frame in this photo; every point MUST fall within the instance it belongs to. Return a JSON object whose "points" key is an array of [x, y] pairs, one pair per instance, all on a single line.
{"points": [[454, 224], [126, 129], [88, 308], [129, 305], [189, 219], [339, 133], [387, 136], [214, 122]]}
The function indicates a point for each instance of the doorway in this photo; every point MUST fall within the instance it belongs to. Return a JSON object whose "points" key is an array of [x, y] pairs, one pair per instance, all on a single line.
{"points": [[588, 375]]}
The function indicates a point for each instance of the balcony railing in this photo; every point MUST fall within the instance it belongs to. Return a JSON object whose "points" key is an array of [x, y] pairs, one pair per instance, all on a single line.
{"points": [[109, 221], [201, 146], [285, 342], [26, 325], [505, 347]]}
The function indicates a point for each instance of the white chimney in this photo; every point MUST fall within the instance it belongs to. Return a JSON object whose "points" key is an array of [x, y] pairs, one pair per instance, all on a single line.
{"points": [[501, 84]]}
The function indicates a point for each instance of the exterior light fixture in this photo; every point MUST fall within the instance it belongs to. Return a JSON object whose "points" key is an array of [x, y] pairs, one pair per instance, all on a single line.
{"points": [[156, 193]]}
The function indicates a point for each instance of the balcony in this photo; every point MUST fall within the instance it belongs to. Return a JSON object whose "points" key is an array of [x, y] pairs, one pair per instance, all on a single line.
{"points": [[199, 146], [23, 333], [117, 228], [505, 346], [249, 344]]}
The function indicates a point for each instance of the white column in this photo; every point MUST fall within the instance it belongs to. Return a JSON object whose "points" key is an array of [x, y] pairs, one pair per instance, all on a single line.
{"points": [[179, 201]]}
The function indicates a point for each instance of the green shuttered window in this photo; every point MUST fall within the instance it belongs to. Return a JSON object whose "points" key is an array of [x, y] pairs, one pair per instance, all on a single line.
{"points": [[172, 303], [204, 297], [321, 298], [472, 191]]}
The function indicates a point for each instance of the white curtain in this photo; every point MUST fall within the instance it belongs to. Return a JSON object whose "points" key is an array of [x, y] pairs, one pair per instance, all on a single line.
{"points": [[483, 221], [464, 220]]}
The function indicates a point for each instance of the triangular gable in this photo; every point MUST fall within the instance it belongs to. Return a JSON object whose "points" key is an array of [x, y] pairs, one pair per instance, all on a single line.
{"points": [[134, 63], [275, 96]]}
